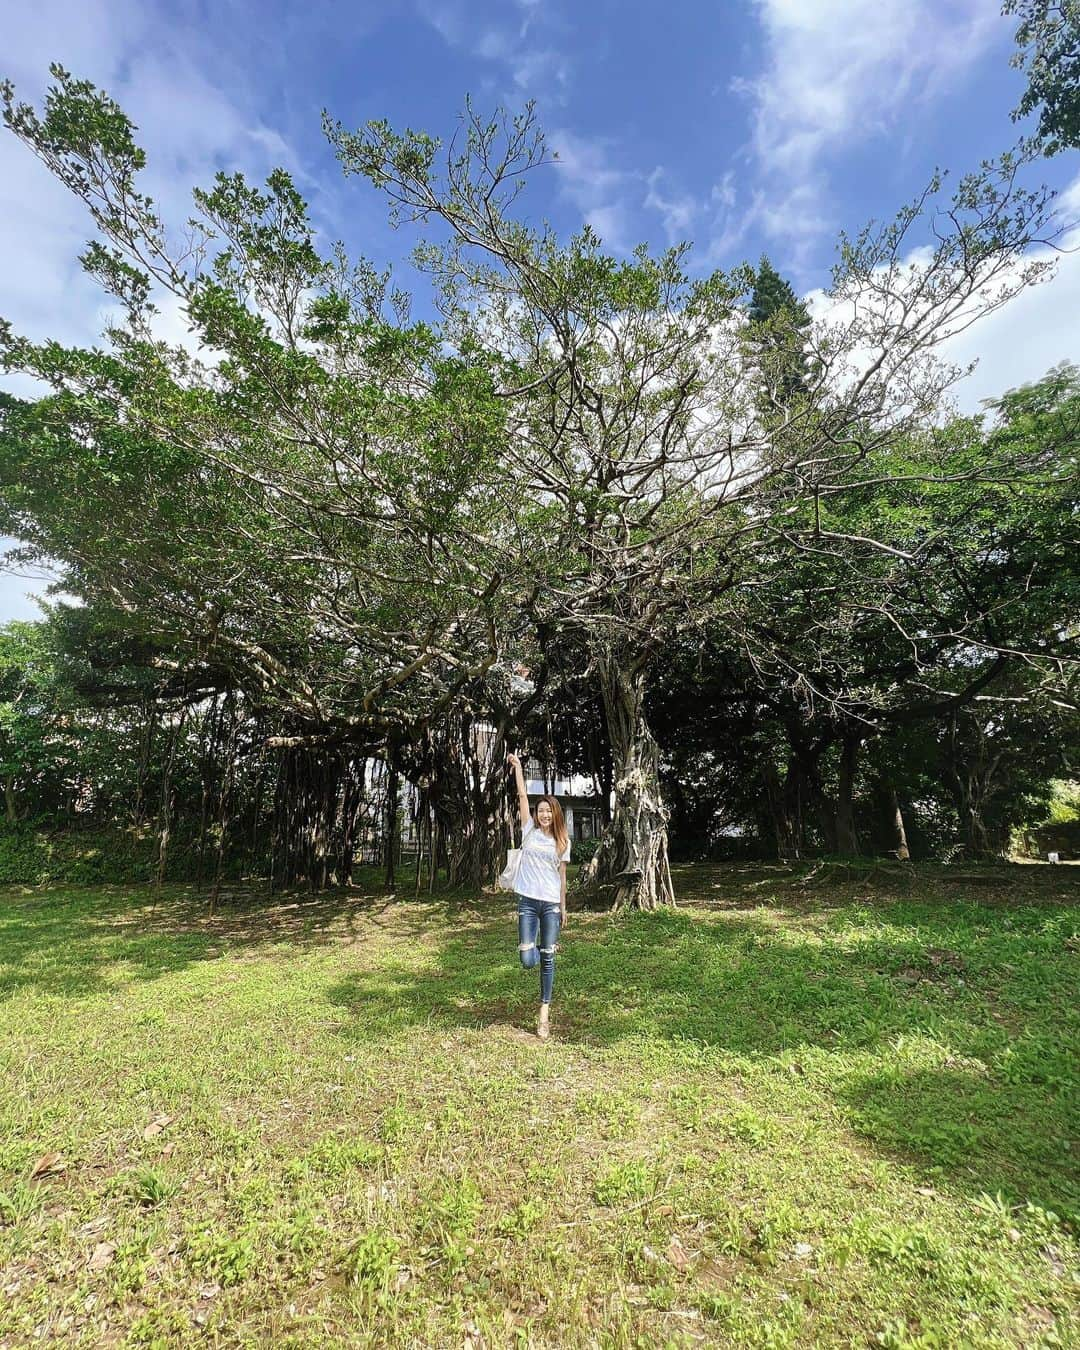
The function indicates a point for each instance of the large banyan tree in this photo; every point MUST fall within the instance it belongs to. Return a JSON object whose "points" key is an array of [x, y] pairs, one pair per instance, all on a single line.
{"points": [[668, 437], [364, 519]]}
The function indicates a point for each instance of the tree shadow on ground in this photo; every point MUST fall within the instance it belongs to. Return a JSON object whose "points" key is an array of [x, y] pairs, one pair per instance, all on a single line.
{"points": [[837, 985], [63, 940], [946, 1032]]}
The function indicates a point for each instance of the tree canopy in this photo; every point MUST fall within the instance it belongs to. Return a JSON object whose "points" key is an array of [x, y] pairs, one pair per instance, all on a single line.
{"points": [[1048, 43], [357, 528]]}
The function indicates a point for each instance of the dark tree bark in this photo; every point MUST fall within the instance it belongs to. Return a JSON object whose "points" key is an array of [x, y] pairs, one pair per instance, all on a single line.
{"points": [[165, 818], [208, 749], [225, 798], [847, 843], [973, 771], [393, 782], [783, 800], [599, 759], [463, 770], [146, 738]]}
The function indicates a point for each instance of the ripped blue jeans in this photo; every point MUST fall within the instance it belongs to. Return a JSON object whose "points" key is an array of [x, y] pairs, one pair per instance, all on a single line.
{"points": [[539, 921]]}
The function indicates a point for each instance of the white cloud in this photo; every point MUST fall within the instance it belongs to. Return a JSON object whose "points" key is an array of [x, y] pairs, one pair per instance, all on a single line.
{"points": [[605, 195], [1018, 344], [611, 198], [678, 210], [836, 75], [538, 66]]}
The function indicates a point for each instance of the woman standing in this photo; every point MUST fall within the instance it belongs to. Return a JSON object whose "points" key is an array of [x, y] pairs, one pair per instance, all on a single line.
{"points": [[541, 889]]}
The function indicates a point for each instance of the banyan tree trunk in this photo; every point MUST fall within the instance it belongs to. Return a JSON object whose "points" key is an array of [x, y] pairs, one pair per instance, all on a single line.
{"points": [[973, 772], [319, 806], [632, 856], [466, 774], [476, 832], [895, 822], [783, 808], [165, 818]]}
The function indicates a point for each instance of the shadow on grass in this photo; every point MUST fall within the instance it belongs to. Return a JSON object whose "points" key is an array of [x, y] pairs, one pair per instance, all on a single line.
{"points": [[946, 1028], [946, 1032], [63, 940]]}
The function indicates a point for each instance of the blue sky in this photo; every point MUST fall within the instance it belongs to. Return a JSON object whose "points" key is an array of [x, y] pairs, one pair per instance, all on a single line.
{"points": [[746, 126]]}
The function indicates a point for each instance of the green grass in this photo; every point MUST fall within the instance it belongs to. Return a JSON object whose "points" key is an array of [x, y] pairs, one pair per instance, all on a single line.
{"points": [[807, 1108]]}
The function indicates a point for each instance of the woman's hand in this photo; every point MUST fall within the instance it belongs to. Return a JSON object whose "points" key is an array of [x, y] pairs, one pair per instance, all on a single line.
{"points": [[513, 760]]}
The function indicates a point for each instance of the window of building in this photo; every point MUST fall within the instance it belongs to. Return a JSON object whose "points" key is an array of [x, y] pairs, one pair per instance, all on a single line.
{"points": [[587, 823]]}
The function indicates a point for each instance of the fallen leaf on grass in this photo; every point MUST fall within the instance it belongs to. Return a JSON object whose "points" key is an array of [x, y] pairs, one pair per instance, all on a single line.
{"points": [[676, 1254], [48, 1165], [101, 1256], [156, 1126]]}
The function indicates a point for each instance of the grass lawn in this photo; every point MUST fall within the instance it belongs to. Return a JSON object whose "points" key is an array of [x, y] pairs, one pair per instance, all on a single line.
{"points": [[829, 1108]]}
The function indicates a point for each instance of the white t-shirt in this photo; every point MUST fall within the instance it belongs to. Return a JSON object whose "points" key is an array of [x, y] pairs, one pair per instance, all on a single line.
{"points": [[538, 873]]}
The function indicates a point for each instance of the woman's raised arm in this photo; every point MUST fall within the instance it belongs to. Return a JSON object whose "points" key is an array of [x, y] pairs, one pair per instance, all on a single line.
{"points": [[523, 796]]}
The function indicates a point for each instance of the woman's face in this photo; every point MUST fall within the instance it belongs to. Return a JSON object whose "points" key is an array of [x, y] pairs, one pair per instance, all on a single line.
{"points": [[543, 815]]}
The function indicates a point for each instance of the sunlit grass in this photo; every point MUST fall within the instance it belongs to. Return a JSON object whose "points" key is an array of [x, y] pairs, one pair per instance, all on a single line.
{"points": [[799, 1110]]}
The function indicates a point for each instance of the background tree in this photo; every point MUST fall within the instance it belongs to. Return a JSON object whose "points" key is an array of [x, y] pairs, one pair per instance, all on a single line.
{"points": [[35, 754], [1048, 39], [304, 506], [847, 665], [778, 333]]}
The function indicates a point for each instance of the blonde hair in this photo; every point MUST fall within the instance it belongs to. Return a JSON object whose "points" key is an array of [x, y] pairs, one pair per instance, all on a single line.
{"points": [[558, 824]]}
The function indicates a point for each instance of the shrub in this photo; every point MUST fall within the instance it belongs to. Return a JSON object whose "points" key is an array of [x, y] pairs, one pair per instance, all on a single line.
{"points": [[582, 850], [39, 853]]}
